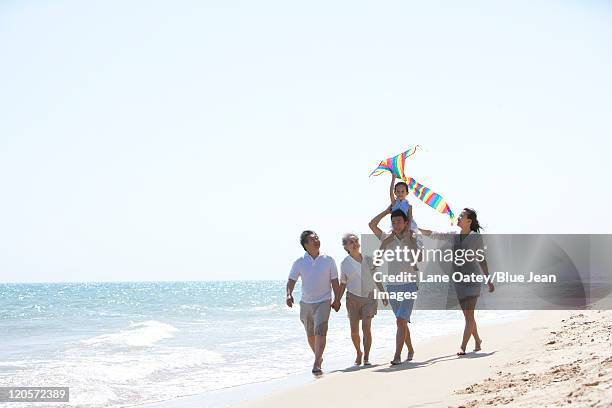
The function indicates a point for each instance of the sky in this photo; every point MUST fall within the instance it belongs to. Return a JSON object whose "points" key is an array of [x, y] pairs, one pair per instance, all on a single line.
{"points": [[195, 140]]}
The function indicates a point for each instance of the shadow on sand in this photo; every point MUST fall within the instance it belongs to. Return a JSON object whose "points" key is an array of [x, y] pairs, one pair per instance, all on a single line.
{"points": [[409, 365]]}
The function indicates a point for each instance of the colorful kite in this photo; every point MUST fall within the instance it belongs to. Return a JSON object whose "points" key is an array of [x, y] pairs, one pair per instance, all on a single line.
{"points": [[396, 165]]}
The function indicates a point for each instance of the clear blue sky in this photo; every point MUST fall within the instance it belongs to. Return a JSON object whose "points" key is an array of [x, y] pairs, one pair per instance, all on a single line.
{"points": [[191, 140]]}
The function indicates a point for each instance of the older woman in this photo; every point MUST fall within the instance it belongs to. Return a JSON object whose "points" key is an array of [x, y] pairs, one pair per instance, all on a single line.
{"points": [[355, 277], [467, 292]]}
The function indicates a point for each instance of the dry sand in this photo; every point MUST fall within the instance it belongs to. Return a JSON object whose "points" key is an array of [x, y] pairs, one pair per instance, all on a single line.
{"points": [[573, 366]]}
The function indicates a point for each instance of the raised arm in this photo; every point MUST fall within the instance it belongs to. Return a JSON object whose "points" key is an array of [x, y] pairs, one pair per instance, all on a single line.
{"points": [[374, 222], [392, 189]]}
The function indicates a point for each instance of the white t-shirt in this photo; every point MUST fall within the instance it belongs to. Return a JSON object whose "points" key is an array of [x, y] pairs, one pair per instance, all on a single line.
{"points": [[351, 275], [316, 276]]}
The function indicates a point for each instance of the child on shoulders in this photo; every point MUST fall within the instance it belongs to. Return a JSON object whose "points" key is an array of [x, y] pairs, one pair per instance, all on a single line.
{"points": [[398, 193]]}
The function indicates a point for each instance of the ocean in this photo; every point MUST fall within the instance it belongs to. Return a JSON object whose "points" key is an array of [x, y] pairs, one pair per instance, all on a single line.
{"points": [[131, 343]]}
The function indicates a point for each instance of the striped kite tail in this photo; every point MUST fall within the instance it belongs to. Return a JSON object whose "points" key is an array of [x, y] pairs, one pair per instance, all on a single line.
{"points": [[431, 198]]}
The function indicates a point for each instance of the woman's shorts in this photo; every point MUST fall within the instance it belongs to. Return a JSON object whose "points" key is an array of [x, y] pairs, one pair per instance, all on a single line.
{"points": [[359, 307]]}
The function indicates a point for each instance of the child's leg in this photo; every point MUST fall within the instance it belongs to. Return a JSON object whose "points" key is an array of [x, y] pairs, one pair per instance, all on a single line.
{"points": [[419, 241]]}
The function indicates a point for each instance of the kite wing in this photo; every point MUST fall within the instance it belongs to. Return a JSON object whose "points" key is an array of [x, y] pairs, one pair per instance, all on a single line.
{"points": [[395, 164]]}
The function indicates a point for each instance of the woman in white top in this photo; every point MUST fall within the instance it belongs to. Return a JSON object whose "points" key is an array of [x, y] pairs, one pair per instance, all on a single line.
{"points": [[467, 292], [360, 302]]}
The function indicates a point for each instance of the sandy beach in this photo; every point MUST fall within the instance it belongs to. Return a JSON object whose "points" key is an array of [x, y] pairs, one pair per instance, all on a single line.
{"points": [[552, 358]]}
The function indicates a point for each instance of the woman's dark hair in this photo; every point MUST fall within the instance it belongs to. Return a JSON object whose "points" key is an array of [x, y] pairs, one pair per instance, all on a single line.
{"points": [[471, 214], [401, 183], [399, 213], [304, 237]]}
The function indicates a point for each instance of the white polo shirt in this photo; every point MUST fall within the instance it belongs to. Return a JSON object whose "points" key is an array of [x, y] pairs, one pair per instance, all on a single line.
{"points": [[316, 276]]}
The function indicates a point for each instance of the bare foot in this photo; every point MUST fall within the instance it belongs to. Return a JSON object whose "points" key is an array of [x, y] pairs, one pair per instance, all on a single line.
{"points": [[316, 367], [410, 355], [358, 359], [461, 352], [366, 360], [478, 343], [396, 360]]}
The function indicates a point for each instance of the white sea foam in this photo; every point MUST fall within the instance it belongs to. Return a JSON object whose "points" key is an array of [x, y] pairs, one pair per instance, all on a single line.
{"points": [[141, 334], [123, 377]]}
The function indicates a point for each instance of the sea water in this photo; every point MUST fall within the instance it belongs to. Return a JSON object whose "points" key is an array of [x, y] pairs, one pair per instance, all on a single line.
{"points": [[118, 344]]}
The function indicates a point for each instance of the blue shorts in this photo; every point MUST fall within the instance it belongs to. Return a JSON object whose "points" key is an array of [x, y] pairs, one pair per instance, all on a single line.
{"points": [[402, 309]]}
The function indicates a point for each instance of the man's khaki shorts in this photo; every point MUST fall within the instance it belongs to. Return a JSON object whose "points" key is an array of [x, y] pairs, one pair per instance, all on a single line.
{"points": [[314, 317], [360, 307]]}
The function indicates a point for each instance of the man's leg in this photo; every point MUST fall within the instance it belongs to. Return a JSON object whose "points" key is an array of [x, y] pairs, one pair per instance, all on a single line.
{"points": [[311, 343], [355, 338], [321, 318], [319, 348], [400, 338], [408, 342], [308, 322], [366, 326]]}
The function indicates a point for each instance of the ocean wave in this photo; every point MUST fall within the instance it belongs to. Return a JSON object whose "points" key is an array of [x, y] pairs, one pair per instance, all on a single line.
{"points": [[125, 377], [141, 334]]}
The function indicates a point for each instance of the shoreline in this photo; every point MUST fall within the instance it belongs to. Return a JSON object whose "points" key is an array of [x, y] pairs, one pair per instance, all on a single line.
{"points": [[247, 394], [552, 357], [226, 397], [431, 379], [546, 359]]}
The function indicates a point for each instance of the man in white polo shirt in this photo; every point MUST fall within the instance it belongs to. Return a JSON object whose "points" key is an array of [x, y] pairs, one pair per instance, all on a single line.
{"points": [[319, 276]]}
